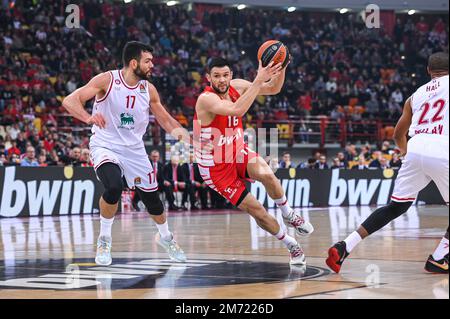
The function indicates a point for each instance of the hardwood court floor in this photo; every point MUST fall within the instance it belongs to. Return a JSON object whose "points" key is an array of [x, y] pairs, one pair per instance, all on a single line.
{"points": [[229, 257]]}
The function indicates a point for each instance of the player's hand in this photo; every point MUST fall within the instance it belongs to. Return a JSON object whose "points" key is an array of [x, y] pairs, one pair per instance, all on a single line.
{"points": [[166, 183], [265, 74], [97, 119]]}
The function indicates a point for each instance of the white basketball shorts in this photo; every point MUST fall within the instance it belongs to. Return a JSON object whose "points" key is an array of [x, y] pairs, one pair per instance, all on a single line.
{"points": [[133, 162], [426, 160]]}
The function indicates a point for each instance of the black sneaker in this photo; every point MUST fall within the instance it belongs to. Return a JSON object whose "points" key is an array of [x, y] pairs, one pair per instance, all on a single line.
{"points": [[336, 256], [437, 266]]}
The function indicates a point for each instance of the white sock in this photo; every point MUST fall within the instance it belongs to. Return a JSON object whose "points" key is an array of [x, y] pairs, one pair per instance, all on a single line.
{"points": [[283, 204], [352, 240], [441, 250], [105, 226], [285, 238], [164, 231]]}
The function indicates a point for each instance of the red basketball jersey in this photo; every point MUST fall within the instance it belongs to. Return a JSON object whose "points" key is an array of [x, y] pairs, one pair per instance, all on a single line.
{"points": [[226, 133]]}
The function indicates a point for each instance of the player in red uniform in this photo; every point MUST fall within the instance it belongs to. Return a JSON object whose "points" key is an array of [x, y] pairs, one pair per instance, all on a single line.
{"points": [[225, 167]]}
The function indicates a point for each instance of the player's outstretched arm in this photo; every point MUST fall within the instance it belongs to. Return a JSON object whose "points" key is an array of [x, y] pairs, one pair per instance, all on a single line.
{"points": [[211, 103], [167, 122], [74, 102], [402, 127]]}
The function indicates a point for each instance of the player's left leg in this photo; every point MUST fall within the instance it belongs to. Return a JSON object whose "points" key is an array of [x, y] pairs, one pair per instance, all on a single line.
{"points": [[139, 174], [163, 237], [410, 180], [257, 169]]}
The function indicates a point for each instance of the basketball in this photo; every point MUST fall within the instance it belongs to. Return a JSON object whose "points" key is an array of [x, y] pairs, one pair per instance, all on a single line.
{"points": [[273, 50]]}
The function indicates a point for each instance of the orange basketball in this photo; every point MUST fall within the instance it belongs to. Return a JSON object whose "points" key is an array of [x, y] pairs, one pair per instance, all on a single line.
{"points": [[273, 50]]}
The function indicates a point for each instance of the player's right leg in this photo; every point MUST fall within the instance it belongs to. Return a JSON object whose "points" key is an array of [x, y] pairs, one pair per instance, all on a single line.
{"points": [[438, 170], [257, 169], [110, 175], [252, 206]]}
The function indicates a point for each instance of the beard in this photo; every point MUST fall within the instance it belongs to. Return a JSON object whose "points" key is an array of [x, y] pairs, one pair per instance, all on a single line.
{"points": [[219, 91], [141, 75]]}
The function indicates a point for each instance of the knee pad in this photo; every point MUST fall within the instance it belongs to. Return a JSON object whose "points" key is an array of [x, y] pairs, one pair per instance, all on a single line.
{"points": [[152, 202], [384, 215], [111, 177]]}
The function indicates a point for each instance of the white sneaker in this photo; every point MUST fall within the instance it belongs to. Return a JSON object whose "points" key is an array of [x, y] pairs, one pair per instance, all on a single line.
{"points": [[172, 248], [297, 255], [103, 257], [302, 227]]}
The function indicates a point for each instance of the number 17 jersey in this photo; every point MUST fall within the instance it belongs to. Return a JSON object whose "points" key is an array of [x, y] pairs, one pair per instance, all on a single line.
{"points": [[126, 112]]}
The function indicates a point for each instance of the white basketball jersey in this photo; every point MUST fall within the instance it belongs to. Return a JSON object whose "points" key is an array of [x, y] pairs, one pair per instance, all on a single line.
{"points": [[430, 108], [126, 112]]}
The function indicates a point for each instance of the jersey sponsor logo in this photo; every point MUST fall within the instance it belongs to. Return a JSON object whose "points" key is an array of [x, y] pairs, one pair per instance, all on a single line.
{"points": [[142, 88], [229, 139], [126, 121]]}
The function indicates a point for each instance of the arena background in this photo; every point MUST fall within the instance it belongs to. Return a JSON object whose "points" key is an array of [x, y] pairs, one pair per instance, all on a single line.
{"points": [[344, 91]]}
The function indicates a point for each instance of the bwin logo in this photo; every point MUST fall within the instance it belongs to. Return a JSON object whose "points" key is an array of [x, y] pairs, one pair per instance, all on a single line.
{"points": [[44, 194], [359, 192]]}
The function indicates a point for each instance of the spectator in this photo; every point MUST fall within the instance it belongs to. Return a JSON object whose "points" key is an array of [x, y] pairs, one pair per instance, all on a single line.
{"points": [[85, 158], [75, 157], [342, 160], [376, 163], [321, 163], [30, 158], [337, 164], [395, 161], [384, 163], [42, 160], [286, 162], [361, 164], [194, 185], [310, 164], [174, 181]]}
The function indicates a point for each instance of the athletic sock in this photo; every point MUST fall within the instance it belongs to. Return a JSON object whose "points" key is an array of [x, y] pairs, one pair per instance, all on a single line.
{"points": [[283, 204], [441, 249], [106, 226], [352, 240], [164, 231], [285, 238]]}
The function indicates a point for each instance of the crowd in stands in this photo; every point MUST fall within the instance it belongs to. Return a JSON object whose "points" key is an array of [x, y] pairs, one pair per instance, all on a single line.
{"points": [[339, 69], [351, 158]]}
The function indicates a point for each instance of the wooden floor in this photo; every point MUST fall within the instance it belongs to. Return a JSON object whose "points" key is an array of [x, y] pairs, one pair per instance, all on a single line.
{"points": [[229, 257]]}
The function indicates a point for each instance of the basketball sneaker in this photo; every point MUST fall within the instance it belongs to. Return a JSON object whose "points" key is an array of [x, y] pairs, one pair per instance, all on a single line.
{"points": [[437, 266], [337, 255], [297, 255], [302, 227], [103, 257], [172, 248]]}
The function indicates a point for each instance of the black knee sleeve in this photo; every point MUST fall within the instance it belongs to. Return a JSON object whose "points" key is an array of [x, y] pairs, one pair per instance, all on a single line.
{"points": [[152, 201], [111, 177], [384, 215]]}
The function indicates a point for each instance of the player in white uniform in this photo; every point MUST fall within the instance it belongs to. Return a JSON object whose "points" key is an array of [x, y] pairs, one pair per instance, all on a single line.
{"points": [[123, 101], [426, 158]]}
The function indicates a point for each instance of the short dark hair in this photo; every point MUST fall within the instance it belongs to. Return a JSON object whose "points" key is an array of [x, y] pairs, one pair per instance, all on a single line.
{"points": [[133, 50], [438, 62], [217, 62]]}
